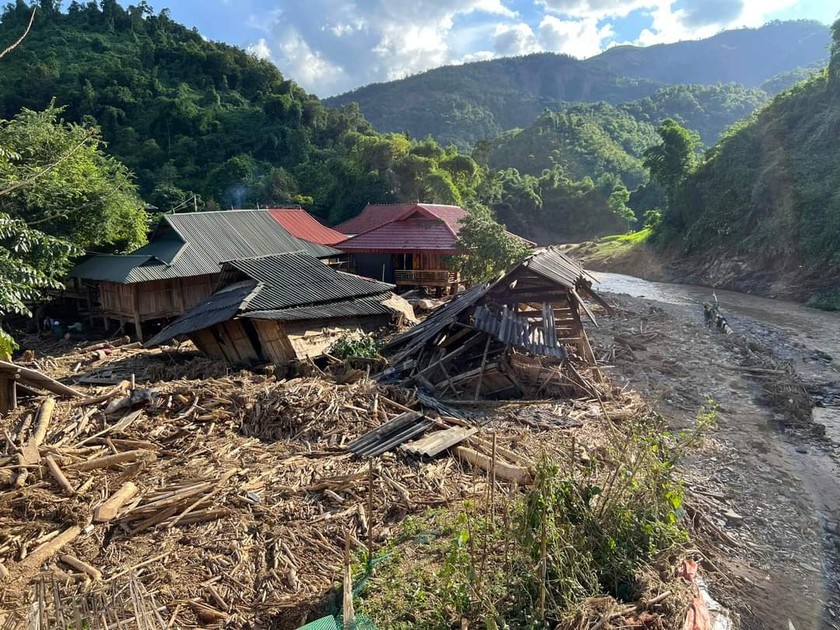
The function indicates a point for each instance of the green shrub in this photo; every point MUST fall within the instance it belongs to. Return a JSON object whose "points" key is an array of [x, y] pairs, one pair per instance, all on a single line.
{"points": [[356, 345], [828, 301]]}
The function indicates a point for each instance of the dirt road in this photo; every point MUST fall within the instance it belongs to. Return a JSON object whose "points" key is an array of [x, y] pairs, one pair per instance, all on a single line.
{"points": [[768, 478]]}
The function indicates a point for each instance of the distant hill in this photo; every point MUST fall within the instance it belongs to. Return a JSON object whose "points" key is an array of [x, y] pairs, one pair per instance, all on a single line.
{"points": [[467, 103], [190, 116], [592, 139]]}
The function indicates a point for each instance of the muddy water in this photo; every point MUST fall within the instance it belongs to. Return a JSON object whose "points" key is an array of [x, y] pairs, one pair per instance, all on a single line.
{"points": [[819, 326], [810, 341]]}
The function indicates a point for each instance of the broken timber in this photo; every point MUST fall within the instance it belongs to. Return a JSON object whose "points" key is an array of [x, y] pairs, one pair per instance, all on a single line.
{"points": [[513, 338]]}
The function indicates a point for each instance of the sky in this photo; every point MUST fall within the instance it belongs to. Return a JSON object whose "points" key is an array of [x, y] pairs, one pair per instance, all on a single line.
{"points": [[333, 46]]}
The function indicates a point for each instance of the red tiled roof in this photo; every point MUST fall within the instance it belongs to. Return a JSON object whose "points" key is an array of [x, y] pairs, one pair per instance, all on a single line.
{"points": [[414, 234], [303, 225], [375, 215]]}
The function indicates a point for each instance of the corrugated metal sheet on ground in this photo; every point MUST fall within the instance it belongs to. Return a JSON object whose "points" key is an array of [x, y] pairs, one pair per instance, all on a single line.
{"points": [[219, 307], [358, 307], [390, 435], [206, 240], [510, 328]]}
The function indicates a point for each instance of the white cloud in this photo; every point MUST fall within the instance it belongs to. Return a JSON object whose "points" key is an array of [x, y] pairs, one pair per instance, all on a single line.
{"points": [[510, 40], [330, 46], [579, 38], [260, 50]]}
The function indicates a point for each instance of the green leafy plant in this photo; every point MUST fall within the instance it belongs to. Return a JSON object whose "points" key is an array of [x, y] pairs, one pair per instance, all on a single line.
{"points": [[354, 345]]}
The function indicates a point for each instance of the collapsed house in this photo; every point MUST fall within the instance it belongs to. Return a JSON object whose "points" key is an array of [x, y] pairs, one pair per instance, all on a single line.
{"points": [[283, 307], [505, 339], [179, 266]]}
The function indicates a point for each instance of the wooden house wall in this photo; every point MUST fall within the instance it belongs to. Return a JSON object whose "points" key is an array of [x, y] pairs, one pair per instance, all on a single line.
{"points": [[275, 343], [156, 299], [228, 341]]}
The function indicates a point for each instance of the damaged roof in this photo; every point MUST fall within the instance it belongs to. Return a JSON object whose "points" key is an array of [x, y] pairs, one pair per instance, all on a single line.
{"points": [[196, 243], [547, 264], [281, 287]]}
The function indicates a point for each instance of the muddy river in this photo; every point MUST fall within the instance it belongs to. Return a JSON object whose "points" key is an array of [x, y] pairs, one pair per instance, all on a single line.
{"points": [[784, 481]]}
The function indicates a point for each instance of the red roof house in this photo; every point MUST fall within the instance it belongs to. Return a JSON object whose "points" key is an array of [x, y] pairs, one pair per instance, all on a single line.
{"points": [[406, 244], [303, 225]]}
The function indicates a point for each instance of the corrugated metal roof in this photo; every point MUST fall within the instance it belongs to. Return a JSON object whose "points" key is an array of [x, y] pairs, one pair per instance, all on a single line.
{"points": [[517, 331], [299, 280], [358, 307], [108, 267], [303, 225], [219, 307], [410, 235], [206, 240], [552, 264], [282, 287], [374, 215]]}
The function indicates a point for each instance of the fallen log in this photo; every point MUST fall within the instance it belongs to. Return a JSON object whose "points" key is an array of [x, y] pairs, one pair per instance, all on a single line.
{"points": [[110, 460], [503, 470], [43, 381], [58, 475], [80, 566], [42, 422], [32, 563]]}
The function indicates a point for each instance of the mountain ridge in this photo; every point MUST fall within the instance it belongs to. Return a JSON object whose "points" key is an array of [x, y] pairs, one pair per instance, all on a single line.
{"points": [[469, 102]]}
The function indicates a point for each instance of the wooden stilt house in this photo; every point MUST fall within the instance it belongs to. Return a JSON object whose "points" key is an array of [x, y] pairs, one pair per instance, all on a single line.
{"points": [[180, 265]]}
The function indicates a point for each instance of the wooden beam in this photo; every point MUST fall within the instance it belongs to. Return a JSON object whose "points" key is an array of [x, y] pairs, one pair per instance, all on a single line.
{"points": [[483, 364]]}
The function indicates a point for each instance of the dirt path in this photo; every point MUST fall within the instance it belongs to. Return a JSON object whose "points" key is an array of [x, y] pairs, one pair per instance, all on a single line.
{"points": [[767, 478]]}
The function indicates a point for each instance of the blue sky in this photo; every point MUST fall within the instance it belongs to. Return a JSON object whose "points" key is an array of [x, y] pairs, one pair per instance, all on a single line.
{"points": [[331, 46]]}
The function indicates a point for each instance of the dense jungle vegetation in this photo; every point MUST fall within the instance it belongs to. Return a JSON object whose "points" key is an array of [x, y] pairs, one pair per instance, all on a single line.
{"points": [[189, 116], [768, 189], [475, 101]]}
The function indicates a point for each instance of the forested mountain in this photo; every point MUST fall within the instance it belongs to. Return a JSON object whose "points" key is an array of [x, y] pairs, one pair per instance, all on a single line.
{"points": [[595, 139], [768, 189], [475, 101], [189, 116]]}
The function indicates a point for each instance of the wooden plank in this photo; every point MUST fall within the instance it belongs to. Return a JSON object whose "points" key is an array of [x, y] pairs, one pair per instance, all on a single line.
{"points": [[437, 442], [43, 381]]}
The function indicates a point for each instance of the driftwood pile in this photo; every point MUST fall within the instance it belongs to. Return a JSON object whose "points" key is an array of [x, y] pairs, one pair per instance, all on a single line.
{"points": [[228, 500]]}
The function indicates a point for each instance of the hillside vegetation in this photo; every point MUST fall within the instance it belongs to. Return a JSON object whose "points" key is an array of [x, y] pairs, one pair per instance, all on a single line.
{"points": [[595, 139], [767, 192], [189, 116], [474, 101]]}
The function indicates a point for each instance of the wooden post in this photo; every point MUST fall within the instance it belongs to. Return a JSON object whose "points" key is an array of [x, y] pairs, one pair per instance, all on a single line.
{"points": [[483, 365], [4, 395], [138, 324], [370, 513]]}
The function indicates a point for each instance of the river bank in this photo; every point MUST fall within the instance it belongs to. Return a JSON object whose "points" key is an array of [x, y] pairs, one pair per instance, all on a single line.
{"points": [[767, 477], [630, 254]]}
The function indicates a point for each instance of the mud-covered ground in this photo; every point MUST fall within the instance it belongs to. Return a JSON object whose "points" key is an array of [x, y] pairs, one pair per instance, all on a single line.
{"points": [[764, 486]]}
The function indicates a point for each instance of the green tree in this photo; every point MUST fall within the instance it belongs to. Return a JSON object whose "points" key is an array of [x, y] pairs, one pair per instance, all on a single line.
{"points": [[671, 161], [63, 184], [486, 248]]}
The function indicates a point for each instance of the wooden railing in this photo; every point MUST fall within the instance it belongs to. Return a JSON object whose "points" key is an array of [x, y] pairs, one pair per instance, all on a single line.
{"points": [[425, 277]]}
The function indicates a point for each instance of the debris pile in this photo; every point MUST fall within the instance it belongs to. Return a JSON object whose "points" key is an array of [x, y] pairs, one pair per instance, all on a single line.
{"points": [[229, 499]]}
